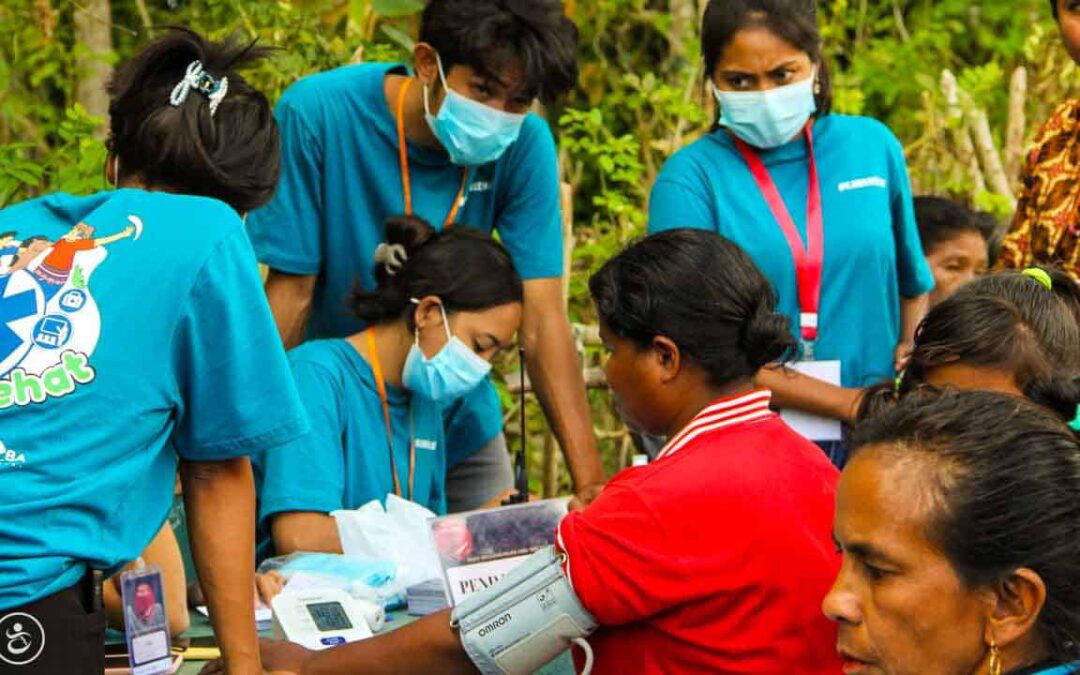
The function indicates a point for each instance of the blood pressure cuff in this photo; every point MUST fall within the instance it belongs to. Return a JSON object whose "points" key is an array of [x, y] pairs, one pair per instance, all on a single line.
{"points": [[527, 619]]}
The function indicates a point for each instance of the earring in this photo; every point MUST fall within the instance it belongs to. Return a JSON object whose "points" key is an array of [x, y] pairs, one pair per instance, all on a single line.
{"points": [[995, 658], [817, 86]]}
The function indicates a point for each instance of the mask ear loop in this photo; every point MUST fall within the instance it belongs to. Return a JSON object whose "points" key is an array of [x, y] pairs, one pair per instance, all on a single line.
{"points": [[442, 77], [446, 323]]}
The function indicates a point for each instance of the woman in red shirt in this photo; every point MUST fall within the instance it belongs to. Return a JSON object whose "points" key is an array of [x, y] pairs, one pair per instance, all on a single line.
{"points": [[715, 557]]}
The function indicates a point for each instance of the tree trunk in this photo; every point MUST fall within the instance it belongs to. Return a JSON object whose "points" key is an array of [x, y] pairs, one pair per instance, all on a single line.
{"points": [[1014, 137], [93, 32]]}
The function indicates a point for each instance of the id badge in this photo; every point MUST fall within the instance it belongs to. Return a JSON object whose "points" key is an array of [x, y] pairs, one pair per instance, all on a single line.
{"points": [[814, 427], [146, 625]]}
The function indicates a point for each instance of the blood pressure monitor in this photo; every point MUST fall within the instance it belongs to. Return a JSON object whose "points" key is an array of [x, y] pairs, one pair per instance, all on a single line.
{"points": [[322, 618]]}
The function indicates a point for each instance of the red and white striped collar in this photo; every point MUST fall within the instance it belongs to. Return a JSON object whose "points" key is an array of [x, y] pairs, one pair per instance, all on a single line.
{"points": [[721, 413]]}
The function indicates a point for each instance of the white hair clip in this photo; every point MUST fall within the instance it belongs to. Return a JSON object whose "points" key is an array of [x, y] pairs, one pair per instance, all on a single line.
{"points": [[203, 82], [391, 256]]}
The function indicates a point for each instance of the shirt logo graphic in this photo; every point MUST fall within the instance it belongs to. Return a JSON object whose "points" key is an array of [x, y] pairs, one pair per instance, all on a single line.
{"points": [[10, 458], [480, 186], [861, 183], [22, 639], [49, 321], [425, 444]]}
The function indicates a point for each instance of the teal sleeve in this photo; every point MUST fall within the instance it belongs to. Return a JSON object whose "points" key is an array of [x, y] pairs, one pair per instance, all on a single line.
{"points": [[913, 271], [471, 423], [308, 474], [431, 416], [287, 231], [676, 202], [235, 393], [529, 221]]}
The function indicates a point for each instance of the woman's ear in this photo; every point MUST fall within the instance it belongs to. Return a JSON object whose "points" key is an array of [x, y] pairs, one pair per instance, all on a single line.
{"points": [[426, 64], [668, 358], [427, 311], [1015, 605], [112, 169]]}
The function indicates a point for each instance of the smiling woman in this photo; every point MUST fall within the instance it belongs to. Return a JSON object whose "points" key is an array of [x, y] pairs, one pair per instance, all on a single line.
{"points": [[957, 520]]}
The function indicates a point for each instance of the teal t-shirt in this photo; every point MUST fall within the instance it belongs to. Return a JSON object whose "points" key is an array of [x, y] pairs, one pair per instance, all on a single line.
{"points": [[344, 461], [872, 250], [340, 180], [133, 329]]}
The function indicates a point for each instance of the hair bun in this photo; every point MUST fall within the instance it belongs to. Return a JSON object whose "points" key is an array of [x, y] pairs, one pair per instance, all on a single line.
{"points": [[766, 336], [405, 235], [1059, 394]]}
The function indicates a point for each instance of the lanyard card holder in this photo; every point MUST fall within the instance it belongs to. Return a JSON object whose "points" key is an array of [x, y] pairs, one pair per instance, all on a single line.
{"points": [[146, 625]]}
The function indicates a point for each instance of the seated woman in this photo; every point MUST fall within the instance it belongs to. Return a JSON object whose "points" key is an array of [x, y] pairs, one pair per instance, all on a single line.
{"points": [[446, 302], [686, 564], [957, 517]]}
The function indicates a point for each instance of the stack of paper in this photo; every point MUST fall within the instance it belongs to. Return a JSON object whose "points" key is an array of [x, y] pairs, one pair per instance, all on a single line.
{"points": [[426, 598]]}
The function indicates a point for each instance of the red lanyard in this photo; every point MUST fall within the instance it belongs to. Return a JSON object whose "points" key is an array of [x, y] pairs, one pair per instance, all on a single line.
{"points": [[807, 260], [403, 161], [380, 384]]}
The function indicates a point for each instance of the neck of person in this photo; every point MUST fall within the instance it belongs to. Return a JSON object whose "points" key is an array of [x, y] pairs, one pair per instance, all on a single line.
{"points": [[417, 129], [698, 396], [392, 344]]}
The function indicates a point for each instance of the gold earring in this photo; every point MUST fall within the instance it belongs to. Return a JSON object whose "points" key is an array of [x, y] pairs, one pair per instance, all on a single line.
{"points": [[995, 658]]}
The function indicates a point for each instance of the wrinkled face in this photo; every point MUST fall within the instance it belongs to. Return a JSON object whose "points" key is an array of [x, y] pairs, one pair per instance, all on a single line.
{"points": [[757, 59], [955, 262], [900, 606], [1069, 22], [485, 332], [633, 378]]}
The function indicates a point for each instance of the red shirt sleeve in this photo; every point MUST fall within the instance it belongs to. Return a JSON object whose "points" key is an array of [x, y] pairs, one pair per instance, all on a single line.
{"points": [[616, 560]]}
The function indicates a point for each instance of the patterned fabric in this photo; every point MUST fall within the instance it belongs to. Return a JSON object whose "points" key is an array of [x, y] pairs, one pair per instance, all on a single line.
{"points": [[1046, 228]]}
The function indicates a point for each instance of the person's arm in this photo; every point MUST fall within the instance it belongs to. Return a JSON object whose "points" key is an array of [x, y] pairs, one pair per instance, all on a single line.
{"points": [[290, 296], [555, 373], [104, 241], [305, 531], [792, 389], [164, 553], [219, 497], [912, 311], [426, 646]]}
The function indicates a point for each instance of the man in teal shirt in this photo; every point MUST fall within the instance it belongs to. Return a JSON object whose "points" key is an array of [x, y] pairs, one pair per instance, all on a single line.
{"points": [[453, 143]]}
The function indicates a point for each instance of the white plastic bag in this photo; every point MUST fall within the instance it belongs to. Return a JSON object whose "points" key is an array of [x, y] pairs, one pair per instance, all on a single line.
{"points": [[399, 533]]}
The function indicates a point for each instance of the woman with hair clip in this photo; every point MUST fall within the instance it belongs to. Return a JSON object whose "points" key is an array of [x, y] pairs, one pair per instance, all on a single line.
{"points": [[957, 517], [445, 304], [820, 201], [128, 341], [684, 564], [1011, 332]]}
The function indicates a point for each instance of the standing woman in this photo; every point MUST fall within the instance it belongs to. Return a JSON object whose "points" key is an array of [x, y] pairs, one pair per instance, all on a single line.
{"points": [[821, 202], [1046, 227]]}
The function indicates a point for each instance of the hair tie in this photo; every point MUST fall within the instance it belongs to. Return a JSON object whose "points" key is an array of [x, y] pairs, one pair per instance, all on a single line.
{"points": [[203, 82], [1040, 275], [898, 383], [391, 256], [1075, 424]]}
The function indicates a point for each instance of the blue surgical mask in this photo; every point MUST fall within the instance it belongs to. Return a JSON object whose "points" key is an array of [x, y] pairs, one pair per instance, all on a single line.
{"points": [[472, 133], [454, 371], [770, 118]]}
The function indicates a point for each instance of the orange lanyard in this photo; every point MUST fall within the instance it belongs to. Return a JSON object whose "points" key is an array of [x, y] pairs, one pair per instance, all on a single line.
{"points": [[380, 383], [403, 160]]}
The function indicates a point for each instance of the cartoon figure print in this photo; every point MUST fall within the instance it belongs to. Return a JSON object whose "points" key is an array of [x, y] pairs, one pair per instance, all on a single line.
{"points": [[49, 320]]}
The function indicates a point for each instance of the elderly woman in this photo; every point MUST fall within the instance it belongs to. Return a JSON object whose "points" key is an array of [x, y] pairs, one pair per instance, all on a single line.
{"points": [[957, 520]]}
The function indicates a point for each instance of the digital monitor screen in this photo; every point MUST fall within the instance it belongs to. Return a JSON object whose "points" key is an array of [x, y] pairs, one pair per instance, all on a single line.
{"points": [[329, 616]]}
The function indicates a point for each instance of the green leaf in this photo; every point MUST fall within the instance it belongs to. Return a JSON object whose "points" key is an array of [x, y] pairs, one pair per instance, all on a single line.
{"points": [[397, 7]]}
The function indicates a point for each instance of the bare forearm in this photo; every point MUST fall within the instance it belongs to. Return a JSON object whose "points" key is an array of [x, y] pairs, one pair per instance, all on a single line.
{"points": [[289, 296], [912, 311], [555, 373], [220, 502], [305, 531], [792, 389], [426, 646]]}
